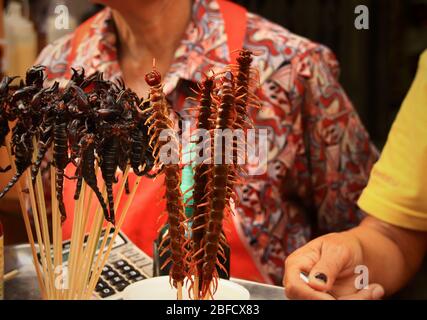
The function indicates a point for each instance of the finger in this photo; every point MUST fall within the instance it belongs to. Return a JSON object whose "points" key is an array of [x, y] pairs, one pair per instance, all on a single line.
{"points": [[295, 287], [333, 259], [373, 292]]}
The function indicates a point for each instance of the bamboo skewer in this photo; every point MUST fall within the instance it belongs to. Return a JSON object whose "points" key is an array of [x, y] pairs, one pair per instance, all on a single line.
{"points": [[179, 290], [54, 239], [57, 233], [196, 288], [90, 249], [83, 221], [75, 235], [81, 241], [45, 228], [82, 250], [42, 248], [43, 218], [98, 265], [27, 224], [129, 201], [92, 240]]}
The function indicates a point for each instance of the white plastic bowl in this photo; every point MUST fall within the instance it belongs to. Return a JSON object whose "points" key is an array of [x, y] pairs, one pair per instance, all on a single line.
{"points": [[159, 289]]}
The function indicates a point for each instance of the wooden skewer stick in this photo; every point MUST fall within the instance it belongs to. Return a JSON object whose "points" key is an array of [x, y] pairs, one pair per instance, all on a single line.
{"points": [[196, 288], [208, 295], [10, 275], [57, 235], [38, 227], [179, 290], [116, 231], [90, 250], [81, 240], [71, 256], [27, 224], [95, 231], [44, 222], [42, 249], [98, 265], [57, 289], [75, 236], [45, 230], [82, 221]]}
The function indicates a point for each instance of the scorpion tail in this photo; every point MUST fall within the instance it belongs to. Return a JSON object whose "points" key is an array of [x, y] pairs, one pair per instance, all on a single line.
{"points": [[59, 188], [10, 184], [35, 170], [78, 188], [36, 167], [98, 194], [127, 190], [111, 217], [3, 170], [62, 211]]}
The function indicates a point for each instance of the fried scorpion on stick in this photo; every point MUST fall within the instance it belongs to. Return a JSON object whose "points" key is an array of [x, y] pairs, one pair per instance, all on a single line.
{"points": [[91, 123]]}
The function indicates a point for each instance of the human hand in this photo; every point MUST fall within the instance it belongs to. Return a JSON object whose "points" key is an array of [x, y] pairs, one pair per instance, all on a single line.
{"points": [[330, 263]]}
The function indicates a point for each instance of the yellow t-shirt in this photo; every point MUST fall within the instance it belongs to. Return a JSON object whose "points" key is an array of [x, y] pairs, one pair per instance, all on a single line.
{"points": [[397, 189]]}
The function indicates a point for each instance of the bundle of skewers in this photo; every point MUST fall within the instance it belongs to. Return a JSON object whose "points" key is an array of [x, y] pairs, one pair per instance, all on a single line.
{"points": [[100, 129], [94, 127]]}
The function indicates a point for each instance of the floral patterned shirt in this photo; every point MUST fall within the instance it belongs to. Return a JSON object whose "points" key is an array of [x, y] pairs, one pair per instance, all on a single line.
{"points": [[320, 155]]}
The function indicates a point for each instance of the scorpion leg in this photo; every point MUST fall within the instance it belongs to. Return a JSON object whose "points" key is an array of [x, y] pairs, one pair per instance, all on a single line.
{"points": [[10, 184], [43, 147], [72, 178], [79, 184], [111, 218], [127, 190], [3, 170], [59, 196]]}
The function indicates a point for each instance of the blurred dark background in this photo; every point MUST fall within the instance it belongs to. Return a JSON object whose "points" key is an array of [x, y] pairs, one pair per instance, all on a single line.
{"points": [[378, 64]]}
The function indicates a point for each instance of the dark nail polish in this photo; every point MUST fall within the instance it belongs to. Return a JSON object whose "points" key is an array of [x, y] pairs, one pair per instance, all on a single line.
{"points": [[322, 277]]}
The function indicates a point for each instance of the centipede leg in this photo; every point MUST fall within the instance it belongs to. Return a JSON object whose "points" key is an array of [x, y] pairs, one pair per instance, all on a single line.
{"points": [[111, 218], [59, 190]]}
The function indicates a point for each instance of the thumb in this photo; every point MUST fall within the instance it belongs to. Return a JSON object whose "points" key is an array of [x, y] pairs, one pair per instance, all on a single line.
{"points": [[333, 260]]}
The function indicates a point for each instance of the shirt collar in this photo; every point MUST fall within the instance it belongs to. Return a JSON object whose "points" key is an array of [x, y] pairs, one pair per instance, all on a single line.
{"points": [[203, 47]]}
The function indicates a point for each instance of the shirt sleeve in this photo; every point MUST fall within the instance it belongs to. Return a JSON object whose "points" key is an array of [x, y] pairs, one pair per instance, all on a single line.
{"points": [[338, 147], [54, 58], [397, 192]]}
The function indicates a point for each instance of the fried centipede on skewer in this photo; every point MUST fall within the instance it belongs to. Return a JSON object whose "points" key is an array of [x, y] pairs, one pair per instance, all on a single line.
{"points": [[246, 82], [214, 185], [213, 240], [202, 177], [174, 241]]}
